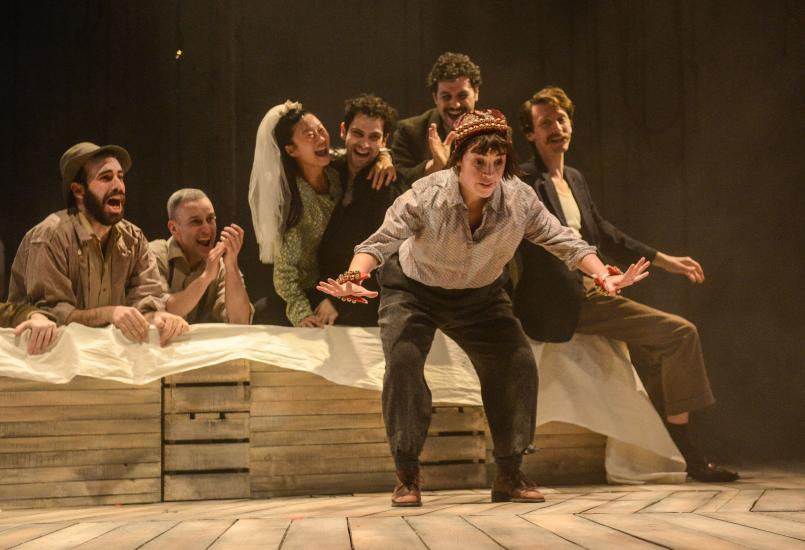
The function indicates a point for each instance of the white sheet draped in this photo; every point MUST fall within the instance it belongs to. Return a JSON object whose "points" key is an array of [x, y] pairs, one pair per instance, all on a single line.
{"points": [[588, 381]]}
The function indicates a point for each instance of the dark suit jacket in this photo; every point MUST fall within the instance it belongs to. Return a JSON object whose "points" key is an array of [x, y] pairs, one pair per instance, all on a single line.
{"points": [[548, 296], [409, 145], [349, 226]]}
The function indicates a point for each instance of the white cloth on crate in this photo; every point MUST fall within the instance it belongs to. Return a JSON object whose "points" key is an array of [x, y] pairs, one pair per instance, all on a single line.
{"points": [[588, 381]]}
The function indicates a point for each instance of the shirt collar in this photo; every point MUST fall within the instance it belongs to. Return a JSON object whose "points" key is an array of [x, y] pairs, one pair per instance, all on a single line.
{"points": [[84, 224], [175, 254]]}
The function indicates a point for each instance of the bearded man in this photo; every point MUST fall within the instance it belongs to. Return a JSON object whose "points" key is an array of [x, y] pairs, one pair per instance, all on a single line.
{"points": [[88, 265]]}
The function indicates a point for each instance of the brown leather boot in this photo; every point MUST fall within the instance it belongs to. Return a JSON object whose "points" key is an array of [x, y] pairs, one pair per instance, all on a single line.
{"points": [[512, 485], [407, 492]]}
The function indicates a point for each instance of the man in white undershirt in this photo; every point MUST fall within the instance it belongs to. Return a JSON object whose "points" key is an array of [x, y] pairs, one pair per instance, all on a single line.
{"points": [[553, 302]]}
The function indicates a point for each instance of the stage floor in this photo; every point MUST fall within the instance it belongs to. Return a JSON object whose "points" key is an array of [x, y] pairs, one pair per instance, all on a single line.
{"points": [[765, 509]]}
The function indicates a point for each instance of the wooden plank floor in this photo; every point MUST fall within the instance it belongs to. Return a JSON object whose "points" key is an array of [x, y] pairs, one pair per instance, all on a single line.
{"points": [[763, 510]]}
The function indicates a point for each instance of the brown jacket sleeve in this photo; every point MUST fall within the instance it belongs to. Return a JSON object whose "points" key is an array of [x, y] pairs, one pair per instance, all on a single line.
{"points": [[12, 315]]}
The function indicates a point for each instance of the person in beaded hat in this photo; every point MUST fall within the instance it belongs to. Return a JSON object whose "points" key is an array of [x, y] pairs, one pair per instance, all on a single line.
{"points": [[443, 246]]}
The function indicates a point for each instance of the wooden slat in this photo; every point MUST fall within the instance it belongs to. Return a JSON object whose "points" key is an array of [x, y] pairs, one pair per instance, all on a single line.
{"points": [[24, 533], [737, 534], [70, 537], [189, 534], [341, 406], [629, 503], [318, 437], [742, 502], [82, 457], [77, 383], [446, 532], [320, 465], [231, 371], [330, 533], [79, 427], [319, 393], [586, 533], [288, 378], [764, 522], [451, 476], [97, 500], [781, 500], [83, 412], [253, 534], [436, 449], [511, 531], [652, 528], [80, 473], [315, 422], [129, 536], [206, 486], [206, 456], [385, 533], [256, 366], [78, 488], [206, 399], [682, 501], [76, 397], [181, 427], [79, 442]]}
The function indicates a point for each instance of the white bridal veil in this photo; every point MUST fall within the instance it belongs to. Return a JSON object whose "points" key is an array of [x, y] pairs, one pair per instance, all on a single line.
{"points": [[269, 191]]}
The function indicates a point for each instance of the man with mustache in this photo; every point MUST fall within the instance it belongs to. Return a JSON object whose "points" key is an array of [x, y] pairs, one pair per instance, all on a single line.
{"points": [[421, 144], [553, 302], [201, 275], [88, 265], [368, 121]]}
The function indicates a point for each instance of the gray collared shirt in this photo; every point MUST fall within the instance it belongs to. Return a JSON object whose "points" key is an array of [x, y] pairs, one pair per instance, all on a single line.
{"points": [[176, 275], [429, 225]]}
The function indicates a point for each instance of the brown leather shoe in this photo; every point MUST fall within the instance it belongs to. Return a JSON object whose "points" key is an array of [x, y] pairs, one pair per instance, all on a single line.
{"points": [[514, 486], [407, 492]]}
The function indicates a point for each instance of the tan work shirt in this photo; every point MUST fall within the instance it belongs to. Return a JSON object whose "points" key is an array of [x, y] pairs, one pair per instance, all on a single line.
{"points": [[176, 274], [12, 315], [52, 268]]}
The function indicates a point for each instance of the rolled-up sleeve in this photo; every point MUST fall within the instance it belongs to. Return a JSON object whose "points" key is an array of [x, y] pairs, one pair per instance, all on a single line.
{"points": [[545, 230], [402, 221]]}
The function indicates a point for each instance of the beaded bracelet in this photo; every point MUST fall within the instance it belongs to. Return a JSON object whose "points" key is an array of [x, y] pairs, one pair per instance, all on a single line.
{"points": [[350, 277]]}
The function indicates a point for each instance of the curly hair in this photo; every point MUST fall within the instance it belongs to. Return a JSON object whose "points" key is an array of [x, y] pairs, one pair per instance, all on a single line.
{"points": [[450, 66], [551, 95], [371, 106]]}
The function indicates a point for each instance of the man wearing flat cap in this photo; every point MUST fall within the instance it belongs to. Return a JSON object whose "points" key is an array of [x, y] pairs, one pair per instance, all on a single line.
{"points": [[88, 265]]}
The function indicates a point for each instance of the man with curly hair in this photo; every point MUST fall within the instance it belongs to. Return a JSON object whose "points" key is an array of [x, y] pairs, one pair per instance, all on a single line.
{"points": [[421, 144], [368, 121]]}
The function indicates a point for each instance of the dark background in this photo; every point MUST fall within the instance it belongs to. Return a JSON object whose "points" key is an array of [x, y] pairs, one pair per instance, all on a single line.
{"points": [[689, 127]]}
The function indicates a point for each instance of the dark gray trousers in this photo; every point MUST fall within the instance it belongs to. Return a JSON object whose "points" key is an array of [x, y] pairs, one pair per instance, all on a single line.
{"points": [[481, 322]]}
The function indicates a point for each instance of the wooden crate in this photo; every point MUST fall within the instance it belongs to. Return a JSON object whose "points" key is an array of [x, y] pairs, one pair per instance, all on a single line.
{"points": [[311, 436], [567, 455], [206, 433], [82, 443]]}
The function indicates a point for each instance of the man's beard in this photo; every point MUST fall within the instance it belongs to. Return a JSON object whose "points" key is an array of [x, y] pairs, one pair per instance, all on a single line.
{"points": [[95, 208]]}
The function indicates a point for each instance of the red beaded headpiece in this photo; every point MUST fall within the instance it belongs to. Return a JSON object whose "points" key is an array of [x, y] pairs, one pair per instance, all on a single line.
{"points": [[481, 122]]}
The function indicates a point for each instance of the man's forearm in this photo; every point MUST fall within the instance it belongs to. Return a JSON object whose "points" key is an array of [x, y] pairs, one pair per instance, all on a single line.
{"points": [[95, 317], [592, 265], [238, 308], [181, 303]]}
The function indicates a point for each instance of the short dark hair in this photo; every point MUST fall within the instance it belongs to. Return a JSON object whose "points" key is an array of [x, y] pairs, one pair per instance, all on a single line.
{"points": [[450, 66], [371, 106], [483, 144], [552, 95]]}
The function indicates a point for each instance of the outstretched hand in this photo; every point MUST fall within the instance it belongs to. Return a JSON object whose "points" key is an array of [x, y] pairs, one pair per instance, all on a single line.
{"points": [[350, 292], [616, 280]]}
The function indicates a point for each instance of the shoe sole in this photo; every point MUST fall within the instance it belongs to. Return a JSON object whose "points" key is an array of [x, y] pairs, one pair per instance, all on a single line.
{"points": [[505, 497], [405, 504]]}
